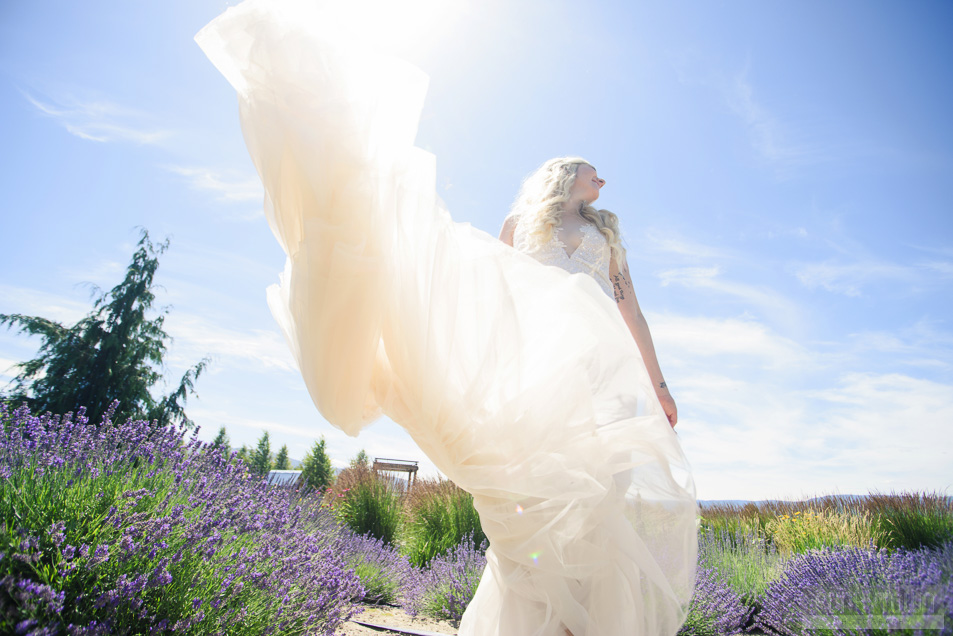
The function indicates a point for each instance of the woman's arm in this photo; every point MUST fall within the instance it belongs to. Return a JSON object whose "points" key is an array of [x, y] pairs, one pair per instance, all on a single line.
{"points": [[506, 233], [632, 314]]}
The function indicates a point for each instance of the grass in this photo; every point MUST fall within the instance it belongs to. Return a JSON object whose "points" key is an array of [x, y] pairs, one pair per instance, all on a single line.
{"points": [[438, 515]]}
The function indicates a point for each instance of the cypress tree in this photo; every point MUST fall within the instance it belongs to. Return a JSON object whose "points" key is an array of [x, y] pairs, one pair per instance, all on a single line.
{"points": [[281, 459], [317, 472], [260, 460]]}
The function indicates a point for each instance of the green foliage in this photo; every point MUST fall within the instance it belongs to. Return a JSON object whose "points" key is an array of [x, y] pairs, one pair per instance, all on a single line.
{"points": [[113, 353], [799, 533], [908, 520], [317, 472], [281, 459], [361, 460], [379, 585], [244, 453], [221, 441], [370, 504], [439, 516], [912, 520], [260, 461], [744, 560]]}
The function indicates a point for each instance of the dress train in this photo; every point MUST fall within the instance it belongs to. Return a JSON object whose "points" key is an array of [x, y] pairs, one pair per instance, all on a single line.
{"points": [[519, 381]]}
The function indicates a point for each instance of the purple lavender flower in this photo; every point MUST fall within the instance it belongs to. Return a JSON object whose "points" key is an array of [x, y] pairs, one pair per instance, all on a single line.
{"points": [[202, 520], [851, 590], [446, 587]]}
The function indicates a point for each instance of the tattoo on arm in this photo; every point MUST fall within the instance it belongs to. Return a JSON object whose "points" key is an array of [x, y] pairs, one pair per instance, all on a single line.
{"points": [[621, 284], [617, 288], [662, 385]]}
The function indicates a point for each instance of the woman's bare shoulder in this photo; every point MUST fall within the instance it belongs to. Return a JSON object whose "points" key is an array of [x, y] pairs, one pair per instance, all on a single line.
{"points": [[509, 229]]}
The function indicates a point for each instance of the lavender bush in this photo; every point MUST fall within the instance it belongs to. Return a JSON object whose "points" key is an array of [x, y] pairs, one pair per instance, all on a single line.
{"points": [[131, 528], [446, 587], [745, 560], [716, 609], [384, 572], [852, 590]]}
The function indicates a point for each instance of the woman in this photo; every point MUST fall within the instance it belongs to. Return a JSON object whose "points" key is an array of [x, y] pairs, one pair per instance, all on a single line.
{"points": [[522, 383], [557, 199]]}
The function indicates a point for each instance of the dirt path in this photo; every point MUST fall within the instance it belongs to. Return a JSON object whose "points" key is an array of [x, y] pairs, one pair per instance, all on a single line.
{"points": [[394, 617]]}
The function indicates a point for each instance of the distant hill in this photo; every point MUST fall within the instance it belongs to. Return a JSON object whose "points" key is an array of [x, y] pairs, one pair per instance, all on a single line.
{"points": [[708, 503]]}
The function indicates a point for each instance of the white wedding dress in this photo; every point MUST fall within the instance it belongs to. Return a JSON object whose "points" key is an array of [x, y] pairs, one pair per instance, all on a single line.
{"points": [[513, 371]]}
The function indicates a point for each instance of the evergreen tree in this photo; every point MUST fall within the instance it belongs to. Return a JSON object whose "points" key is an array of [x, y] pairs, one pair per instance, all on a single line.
{"points": [[281, 459], [221, 441], [317, 472], [361, 460], [260, 460], [114, 353], [244, 453]]}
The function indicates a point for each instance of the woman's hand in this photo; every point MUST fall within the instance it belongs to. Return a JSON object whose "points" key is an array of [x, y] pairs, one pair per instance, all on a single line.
{"points": [[668, 405]]}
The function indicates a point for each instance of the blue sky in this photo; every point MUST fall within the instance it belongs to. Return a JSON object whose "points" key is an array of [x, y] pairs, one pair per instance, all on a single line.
{"points": [[783, 172]]}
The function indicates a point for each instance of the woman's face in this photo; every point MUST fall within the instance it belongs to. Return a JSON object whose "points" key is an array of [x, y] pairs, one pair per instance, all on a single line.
{"points": [[587, 184]]}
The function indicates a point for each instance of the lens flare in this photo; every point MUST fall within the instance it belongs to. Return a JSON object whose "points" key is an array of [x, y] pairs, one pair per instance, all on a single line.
{"points": [[404, 28]]}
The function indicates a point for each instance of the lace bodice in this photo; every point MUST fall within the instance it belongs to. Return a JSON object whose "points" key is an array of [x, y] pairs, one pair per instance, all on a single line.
{"points": [[591, 257]]}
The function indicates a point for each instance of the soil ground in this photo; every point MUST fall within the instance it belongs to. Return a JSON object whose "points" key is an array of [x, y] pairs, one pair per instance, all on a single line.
{"points": [[394, 617]]}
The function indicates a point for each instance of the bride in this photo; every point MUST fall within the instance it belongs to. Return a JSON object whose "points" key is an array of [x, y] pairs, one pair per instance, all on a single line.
{"points": [[558, 197], [534, 388]]}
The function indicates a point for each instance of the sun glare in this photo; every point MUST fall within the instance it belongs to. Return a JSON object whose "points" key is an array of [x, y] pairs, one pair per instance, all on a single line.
{"points": [[405, 28]]}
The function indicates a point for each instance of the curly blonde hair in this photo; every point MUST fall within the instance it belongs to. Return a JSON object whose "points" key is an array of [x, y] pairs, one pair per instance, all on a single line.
{"points": [[539, 205]]}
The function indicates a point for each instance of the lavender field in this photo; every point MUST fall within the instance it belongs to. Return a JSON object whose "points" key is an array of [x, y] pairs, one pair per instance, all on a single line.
{"points": [[133, 528]]}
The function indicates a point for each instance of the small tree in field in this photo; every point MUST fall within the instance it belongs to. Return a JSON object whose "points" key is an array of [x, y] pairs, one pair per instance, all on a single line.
{"points": [[361, 460], [317, 472], [281, 459], [260, 460], [244, 454], [114, 353], [221, 441]]}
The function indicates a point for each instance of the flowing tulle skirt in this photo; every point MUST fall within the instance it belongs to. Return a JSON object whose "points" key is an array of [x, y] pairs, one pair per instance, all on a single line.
{"points": [[519, 381]]}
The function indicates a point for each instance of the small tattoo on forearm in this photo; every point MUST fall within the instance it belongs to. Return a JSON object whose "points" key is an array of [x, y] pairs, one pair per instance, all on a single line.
{"points": [[617, 288], [662, 385]]}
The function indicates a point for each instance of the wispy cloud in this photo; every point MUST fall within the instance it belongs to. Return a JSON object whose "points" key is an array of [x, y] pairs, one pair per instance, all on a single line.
{"points": [[943, 268], [894, 421], [100, 120], [33, 302], [850, 279], [773, 139], [223, 188], [256, 349], [763, 299], [8, 369], [749, 407], [712, 337], [665, 242], [924, 345]]}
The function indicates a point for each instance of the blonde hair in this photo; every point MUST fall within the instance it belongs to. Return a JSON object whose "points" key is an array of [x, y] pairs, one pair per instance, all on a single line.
{"points": [[539, 205]]}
